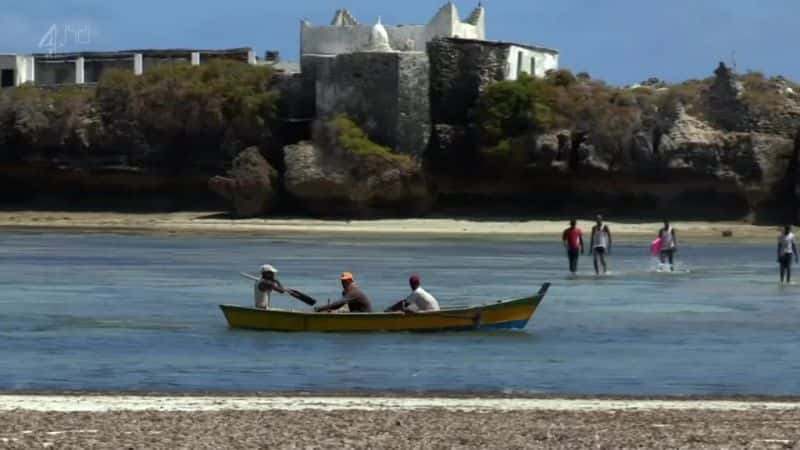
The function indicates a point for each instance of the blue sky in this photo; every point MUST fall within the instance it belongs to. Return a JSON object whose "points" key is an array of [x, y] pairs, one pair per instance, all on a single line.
{"points": [[621, 41]]}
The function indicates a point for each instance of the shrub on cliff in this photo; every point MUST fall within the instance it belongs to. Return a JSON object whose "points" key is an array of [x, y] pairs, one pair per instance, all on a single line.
{"points": [[36, 121], [513, 108], [350, 137], [510, 112], [191, 112], [764, 95], [177, 114]]}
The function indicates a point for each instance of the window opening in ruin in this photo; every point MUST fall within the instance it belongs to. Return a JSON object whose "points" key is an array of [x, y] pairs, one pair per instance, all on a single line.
{"points": [[519, 63], [7, 78], [533, 66]]}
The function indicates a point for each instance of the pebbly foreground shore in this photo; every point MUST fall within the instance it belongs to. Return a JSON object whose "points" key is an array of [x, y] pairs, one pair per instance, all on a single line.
{"points": [[153, 422]]}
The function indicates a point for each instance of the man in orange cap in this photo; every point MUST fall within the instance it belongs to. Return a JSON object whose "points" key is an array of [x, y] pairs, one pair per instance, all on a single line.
{"points": [[352, 296]]}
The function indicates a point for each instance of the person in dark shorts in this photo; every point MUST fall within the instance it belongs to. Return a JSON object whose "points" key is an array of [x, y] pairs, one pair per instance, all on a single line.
{"points": [[573, 242], [600, 244], [669, 245], [786, 249]]}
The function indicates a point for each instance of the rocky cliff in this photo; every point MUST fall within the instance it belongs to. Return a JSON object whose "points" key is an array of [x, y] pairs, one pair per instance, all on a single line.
{"points": [[341, 174], [716, 148], [724, 147]]}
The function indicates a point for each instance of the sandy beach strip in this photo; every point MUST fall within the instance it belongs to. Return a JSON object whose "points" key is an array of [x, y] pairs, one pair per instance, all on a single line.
{"points": [[189, 403], [198, 222], [167, 422]]}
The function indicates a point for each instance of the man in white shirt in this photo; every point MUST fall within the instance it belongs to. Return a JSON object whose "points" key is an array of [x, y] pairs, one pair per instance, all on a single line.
{"points": [[264, 287], [600, 244], [669, 245], [786, 248], [418, 301]]}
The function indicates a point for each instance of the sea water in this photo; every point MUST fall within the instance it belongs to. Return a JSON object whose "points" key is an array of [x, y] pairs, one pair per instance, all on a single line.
{"points": [[95, 311]]}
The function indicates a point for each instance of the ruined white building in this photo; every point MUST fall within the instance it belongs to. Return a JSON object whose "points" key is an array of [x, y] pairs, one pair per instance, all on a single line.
{"points": [[346, 35], [59, 69], [396, 81]]}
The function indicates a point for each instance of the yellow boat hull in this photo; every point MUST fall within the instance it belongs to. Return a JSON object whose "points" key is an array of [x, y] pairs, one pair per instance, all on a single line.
{"points": [[511, 314]]}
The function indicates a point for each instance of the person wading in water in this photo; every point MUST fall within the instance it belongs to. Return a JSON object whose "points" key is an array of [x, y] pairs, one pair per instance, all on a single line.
{"points": [[573, 242], [786, 248], [669, 245], [600, 244]]}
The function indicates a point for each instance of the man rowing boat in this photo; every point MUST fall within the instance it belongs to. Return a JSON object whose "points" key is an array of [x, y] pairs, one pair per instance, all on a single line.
{"points": [[352, 296], [419, 299], [264, 287]]}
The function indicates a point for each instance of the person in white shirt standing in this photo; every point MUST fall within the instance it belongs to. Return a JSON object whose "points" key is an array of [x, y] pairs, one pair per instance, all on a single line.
{"points": [[264, 287], [600, 244], [418, 301], [669, 245], [786, 248]]}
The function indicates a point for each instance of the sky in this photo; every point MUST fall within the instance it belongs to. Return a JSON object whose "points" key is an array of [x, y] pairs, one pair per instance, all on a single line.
{"points": [[620, 41]]}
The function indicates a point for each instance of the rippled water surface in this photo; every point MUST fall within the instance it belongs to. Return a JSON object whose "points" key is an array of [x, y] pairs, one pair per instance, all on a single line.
{"points": [[131, 312]]}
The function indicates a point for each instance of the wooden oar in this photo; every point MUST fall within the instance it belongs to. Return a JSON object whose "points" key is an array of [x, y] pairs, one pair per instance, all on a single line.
{"points": [[308, 300]]}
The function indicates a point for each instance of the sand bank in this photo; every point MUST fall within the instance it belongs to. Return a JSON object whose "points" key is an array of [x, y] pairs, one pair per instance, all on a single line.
{"points": [[388, 424], [194, 222], [106, 403]]}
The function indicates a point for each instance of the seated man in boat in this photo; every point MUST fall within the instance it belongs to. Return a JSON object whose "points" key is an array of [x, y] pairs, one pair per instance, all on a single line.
{"points": [[352, 296], [419, 300], [264, 287]]}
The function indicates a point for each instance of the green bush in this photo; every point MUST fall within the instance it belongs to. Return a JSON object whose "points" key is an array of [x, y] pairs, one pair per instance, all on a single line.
{"points": [[181, 112], [513, 108], [40, 120], [219, 106], [761, 94], [350, 137], [508, 111]]}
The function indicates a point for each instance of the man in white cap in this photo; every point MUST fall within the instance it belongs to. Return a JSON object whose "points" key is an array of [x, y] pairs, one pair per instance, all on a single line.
{"points": [[264, 287]]}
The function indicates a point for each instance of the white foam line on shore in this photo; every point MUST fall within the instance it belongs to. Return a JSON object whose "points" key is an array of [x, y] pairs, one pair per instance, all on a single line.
{"points": [[100, 403]]}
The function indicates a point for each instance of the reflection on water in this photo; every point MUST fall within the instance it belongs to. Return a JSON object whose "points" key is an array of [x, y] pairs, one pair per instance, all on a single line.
{"points": [[102, 311]]}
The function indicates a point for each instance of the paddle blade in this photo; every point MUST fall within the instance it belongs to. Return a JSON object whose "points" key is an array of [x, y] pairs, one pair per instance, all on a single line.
{"points": [[302, 297]]}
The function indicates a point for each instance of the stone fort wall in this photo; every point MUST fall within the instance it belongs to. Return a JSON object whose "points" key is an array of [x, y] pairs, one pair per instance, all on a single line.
{"points": [[386, 93]]}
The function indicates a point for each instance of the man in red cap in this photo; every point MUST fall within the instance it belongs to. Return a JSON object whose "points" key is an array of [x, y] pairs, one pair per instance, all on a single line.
{"points": [[419, 300], [352, 296]]}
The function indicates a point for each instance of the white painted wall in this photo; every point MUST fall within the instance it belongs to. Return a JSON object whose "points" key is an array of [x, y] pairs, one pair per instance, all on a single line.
{"points": [[534, 62], [466, 31], [335, 40], [26, 70], [23, 67], [80, 70], [138, 64]]}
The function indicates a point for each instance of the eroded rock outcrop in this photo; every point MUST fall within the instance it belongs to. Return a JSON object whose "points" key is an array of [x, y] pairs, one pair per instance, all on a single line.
{"points": [[330, 182], [250, 186], [755, 164]]}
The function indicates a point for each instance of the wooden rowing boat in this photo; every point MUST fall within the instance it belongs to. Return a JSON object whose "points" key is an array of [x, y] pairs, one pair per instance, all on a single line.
{"points": [[507, 314]]}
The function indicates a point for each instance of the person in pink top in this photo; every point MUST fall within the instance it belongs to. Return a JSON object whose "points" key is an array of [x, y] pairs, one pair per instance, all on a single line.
{"points": [[573, 242]]}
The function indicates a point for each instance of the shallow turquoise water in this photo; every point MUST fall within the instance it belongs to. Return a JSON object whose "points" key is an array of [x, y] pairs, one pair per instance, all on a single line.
{"points": [[132, 312]]}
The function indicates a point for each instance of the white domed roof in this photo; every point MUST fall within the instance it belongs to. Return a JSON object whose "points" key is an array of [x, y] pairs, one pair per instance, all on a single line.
{"points": [[379, 40]]}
